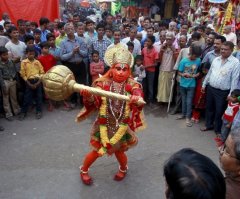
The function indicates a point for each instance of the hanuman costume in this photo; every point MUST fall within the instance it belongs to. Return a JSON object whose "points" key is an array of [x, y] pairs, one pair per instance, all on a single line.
{"points": [[113, 131]]}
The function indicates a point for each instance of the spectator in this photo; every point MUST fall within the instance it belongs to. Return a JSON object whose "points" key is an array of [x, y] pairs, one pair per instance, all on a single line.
{"points": [[48, 61], [109, 33], [6, 26], [162, 38], [31, 72], [188, 70], [96, 66], [201, 31], [167, 56], [28, 28], [209, 44], [76, 20], [138, 70], [100, 44], [229, 35], [230, 162], [34, 26], [8, 82], [5, 17], [62, 34], [37, 40], [182, 42], [150, 31], [21, 29], [53, 49], [43, 27], [150, 57], [132, 38], [183, 31], [221, 79], [73, 51], [117, 39], [91, 33], [16, 48], [146, 24], [228, 116], [200, 98], [191, 175], [3, 38], [130, 46]]}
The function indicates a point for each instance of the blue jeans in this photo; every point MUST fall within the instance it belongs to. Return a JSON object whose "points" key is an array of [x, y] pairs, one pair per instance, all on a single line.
{"points": [[187, 98], [225, 131]]}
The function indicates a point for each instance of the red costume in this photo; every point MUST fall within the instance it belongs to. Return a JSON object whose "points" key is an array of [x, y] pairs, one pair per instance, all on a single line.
{"points": [[114, 130]]}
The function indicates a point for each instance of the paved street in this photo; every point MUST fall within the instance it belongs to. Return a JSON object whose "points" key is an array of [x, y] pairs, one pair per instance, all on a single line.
{"points": [[40, 158]]}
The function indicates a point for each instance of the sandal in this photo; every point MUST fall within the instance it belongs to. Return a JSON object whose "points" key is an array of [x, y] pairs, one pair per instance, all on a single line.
{"points": [[86, 179], [181, 117], [205, 129], [120, 175], [188, 123]]}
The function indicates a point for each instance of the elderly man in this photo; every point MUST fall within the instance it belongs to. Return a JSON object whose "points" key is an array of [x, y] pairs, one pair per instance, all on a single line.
{"points": [[73, 51], [167, 56], [221, 79], [230, 36], [230, 162]]}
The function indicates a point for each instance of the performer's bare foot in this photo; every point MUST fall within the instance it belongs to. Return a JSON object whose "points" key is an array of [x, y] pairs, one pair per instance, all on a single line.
{"points": [[86, 179], [120, 175]]}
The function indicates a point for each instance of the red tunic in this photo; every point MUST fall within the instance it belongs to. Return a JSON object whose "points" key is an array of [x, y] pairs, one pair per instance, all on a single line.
{"points": [[48, 61], [231, 111]]}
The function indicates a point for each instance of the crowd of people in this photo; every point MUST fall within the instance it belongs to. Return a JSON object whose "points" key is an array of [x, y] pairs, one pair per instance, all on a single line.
{"points": [[203, 65]]}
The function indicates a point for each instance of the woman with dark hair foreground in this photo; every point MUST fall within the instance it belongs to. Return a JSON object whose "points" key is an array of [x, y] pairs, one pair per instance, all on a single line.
{"points": [[191, 175]]}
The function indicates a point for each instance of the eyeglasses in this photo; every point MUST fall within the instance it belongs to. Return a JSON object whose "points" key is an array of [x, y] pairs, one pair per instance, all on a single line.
{"points": [[223, 151]]}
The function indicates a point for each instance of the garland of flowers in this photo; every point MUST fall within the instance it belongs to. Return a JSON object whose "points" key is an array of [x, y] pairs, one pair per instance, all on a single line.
{"points": [[228, 15], [106, 143]]}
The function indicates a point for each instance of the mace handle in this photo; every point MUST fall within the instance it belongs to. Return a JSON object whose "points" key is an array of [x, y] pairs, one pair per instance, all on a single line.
{"points": [[103, 93]]}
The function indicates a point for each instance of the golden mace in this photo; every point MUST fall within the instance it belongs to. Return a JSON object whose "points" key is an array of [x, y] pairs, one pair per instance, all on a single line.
{"points": [[59, 84]]}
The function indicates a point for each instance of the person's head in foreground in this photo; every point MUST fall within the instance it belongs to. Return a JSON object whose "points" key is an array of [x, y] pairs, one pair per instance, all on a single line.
{"points": [[230, 153], [191, 175]]}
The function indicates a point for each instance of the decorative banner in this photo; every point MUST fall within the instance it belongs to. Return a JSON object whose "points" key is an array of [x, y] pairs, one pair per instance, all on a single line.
{"points": [[31, 10], [217, 1]]}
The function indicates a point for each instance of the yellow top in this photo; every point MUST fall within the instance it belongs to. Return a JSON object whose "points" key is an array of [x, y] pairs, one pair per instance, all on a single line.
{"points": [[59, 39], [31, 69]]}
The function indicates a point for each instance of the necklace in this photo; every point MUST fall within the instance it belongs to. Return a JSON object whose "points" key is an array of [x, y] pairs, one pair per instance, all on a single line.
{"points": [[116, 106]]}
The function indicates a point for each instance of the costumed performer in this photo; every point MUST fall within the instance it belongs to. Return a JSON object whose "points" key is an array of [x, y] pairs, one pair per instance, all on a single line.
{"points": [[113, 131]]}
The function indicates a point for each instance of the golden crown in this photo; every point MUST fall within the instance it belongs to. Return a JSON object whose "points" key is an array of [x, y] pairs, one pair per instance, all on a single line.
{"points": [[118, 54]]}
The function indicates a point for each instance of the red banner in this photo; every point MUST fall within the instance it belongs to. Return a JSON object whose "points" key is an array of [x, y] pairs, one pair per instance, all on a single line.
{"points": [[31, 10]]}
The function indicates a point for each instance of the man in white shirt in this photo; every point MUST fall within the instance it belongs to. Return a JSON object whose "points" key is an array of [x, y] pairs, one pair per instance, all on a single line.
{"points": [[222, 78], [16, 48], [229, 35], [132, 38], [162, 38]]}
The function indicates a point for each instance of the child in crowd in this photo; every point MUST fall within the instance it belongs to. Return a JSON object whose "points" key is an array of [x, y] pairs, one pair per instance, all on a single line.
{"points": [[188, 70], [130, 46], [96, 66], [8, 76], [228, 116], [37, 41], [53, 49], [62, 35], [29, 41], [150, 58], [31, 71], [48, 61], [138, 70]]}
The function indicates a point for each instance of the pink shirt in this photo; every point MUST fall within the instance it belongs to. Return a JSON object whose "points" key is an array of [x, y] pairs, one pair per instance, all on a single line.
{"points": [[96, 68], [149, 58]]}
